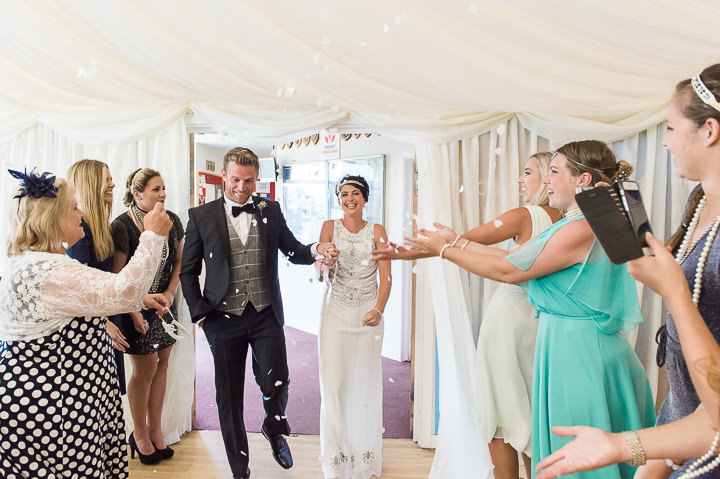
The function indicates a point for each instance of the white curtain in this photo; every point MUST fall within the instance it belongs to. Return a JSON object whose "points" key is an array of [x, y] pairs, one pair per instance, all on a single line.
{"points": [[167, 151], [468, 182]]}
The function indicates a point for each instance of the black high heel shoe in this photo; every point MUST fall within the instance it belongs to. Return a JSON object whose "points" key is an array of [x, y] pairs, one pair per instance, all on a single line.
{"points": [[166, 453], [147, 459]]}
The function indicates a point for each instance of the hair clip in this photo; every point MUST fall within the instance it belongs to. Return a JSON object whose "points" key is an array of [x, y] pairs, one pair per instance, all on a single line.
{"points": [[35, 185], [704, 92]]}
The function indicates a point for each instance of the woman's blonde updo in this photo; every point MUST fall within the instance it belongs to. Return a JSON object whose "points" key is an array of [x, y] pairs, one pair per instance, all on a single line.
{"points": [[36, 224], [137, 181], [595, 157]]}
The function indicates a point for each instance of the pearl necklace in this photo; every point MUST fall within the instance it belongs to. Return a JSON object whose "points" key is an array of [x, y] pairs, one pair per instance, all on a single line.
{"points": [[694, 471], [573, 213], [684, 250]]}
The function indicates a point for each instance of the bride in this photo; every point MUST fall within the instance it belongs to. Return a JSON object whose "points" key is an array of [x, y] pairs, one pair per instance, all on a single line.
{"points": [[350, 341]]}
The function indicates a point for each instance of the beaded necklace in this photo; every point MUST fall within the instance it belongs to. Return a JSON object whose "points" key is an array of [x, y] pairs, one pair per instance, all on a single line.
{"points": [[695, 470], [685, 247], [139, 218], [574, 213]]}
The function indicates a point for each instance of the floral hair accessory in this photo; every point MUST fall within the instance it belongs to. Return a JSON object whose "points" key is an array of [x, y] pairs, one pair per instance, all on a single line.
{"points": [[35, 185]]}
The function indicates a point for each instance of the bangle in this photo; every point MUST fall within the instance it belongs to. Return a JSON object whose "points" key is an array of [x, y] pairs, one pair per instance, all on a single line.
{"points": [[442, 250], [636, 448], [467, 242], [455, 242], [381, 313]]}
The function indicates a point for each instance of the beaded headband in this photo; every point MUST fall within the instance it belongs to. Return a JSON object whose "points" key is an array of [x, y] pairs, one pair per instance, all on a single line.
{"points": [[704, 93], [35, 185], [342, 183]]}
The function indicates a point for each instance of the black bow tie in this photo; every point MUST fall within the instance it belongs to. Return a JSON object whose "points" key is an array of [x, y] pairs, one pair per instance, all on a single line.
{"points": [[248, 208]]}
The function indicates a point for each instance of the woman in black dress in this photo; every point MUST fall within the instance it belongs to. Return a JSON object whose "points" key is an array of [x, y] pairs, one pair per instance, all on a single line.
{"points": [[149, 345], [93, 186]]}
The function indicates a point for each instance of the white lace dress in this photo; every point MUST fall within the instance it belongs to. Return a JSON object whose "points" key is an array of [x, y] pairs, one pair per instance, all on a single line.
{"points": [[350, 363], [60, 409]]}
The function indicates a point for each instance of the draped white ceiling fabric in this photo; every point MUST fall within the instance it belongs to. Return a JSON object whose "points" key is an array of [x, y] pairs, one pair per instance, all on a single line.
{"points": [[422, 71]]}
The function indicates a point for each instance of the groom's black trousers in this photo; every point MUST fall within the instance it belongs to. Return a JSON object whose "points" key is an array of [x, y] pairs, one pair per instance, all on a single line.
{"points": [[229, 336]]}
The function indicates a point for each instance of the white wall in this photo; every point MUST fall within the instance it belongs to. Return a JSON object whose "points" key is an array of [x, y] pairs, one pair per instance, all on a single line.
{"points": [[302, 295]]}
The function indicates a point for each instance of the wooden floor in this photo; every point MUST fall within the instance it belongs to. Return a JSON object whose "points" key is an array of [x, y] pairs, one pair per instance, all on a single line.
{"points": [[201, 454]]}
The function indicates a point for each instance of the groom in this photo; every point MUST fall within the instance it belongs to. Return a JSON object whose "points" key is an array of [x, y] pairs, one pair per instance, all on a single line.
{"points": [[238, 238]]}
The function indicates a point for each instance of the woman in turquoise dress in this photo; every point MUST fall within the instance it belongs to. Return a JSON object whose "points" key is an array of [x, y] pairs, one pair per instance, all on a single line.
{"points": [[585, 371]]}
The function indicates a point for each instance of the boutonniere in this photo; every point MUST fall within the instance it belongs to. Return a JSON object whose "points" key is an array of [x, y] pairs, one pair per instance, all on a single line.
{"points": [[261, 206]]}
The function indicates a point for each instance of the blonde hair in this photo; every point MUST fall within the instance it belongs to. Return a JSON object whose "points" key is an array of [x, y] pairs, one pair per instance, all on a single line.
{"points": [[36, 224], [87, 179], [137, 181], [543, 161]]}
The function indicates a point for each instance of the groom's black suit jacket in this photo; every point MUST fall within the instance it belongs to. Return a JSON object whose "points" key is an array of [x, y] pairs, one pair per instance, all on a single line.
{"points": [[207, 239]]}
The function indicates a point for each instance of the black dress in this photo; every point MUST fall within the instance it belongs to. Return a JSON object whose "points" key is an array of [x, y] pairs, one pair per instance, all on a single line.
{"points": [[126, 236], [84, 251]]}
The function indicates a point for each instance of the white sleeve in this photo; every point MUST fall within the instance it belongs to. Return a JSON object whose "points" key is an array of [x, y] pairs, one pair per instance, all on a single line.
{"points": [[79, 290]]}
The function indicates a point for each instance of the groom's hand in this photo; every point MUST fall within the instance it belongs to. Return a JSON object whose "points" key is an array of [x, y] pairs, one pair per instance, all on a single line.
{"points": [[329, 251]]}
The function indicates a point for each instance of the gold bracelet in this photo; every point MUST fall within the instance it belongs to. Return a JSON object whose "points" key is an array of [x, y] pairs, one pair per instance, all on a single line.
{"points": [[457, 238], [636, 448], [467, 242], [442, 250]]}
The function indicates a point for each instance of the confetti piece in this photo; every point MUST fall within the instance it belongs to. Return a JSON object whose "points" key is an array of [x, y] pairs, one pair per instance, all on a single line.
{"points": [[211, 254], [378, 338], [383, 430], [278, 383], [462, 188], [501, 129], [293, 342], [386, 28], [391, 380], [497, 223], [277, 417], [498, 151], [291, 253], [227, 316], [415, 269], [243, 453], [254, 222], [382, 240], [284, 417], [269, 372], [237, 291], [472, 8], [265, 220], [65, 244], [156, 346]]}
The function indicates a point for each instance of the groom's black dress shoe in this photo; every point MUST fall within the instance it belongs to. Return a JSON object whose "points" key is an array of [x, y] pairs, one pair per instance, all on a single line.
{"points": [[243, 476], [280, 449]]}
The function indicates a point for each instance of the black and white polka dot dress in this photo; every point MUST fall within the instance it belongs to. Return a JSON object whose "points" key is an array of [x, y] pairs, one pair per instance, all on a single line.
{"points": [[60, 409]]}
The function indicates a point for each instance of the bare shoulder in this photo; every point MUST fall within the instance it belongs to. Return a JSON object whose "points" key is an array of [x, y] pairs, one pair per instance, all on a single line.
{"points": [[379, 231], [575, 233]]}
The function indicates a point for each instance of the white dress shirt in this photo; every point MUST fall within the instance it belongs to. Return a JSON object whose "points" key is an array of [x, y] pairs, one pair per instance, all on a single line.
{"points": [[242, 222]]}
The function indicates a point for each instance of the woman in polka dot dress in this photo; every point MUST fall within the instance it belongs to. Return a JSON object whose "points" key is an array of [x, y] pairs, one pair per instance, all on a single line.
{"points": [[60, 410]]}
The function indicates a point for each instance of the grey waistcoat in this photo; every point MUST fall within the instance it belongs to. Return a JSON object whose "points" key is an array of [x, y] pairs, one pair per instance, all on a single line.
{"points": [[247, 273]]}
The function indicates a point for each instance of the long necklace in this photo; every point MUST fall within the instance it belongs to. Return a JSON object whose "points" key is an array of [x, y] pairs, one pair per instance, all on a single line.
{"points": [[685, 247], [165, 250], [693, 470]]}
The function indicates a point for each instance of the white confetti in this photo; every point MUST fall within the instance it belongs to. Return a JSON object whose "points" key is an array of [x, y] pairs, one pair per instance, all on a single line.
{"points": [[277, 417], [293, 342], [65, 244], [225, 303], [291, 253], [382, 240], [498, 151], [390, 279], [472, 8], [237, 291], [253, 222], [462, 188], [383, 430], [391, 380], [269, 372], [497, 223], [415, 269], [316, 58], [278, 383], [284, 417], [501, 129], [378, 338], [289, 91], [156, 346], [227, 316], [211, 254], [265, 220], [386, 28], [243, 453]]}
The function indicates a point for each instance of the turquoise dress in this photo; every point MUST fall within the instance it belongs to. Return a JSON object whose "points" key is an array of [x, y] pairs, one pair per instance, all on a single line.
{"points": [[585, 371]]}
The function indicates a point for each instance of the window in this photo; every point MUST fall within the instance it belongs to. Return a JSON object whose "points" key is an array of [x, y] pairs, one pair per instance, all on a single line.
{"points": [[309, 193]]}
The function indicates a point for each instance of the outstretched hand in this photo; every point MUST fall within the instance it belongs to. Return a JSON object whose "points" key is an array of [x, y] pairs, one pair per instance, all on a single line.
{"points": [[157, 301], [432, 242], [392, 251], [661, 272], [591, 449]]}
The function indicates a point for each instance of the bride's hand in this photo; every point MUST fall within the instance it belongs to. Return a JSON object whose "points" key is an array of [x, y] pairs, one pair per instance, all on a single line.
{"points": [[372, 318]]}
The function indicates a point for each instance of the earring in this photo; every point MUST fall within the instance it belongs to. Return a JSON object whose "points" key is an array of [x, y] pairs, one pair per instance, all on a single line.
{"points": [[578, 189]]}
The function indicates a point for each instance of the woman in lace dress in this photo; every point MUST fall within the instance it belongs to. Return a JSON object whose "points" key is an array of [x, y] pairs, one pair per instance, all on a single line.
{"points": [[60, 410], [350, 341], [150, 344], [93, 186]]}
